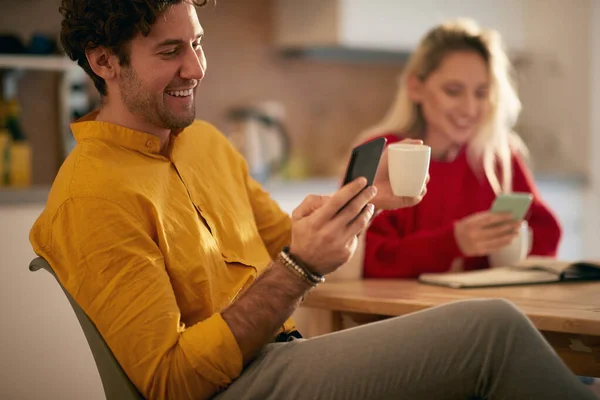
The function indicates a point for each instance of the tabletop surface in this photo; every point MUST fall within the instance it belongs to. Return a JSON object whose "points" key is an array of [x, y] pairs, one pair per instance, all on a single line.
{"points": [[571, 307]]}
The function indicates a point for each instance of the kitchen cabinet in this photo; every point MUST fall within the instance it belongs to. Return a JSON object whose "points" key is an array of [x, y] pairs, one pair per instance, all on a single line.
{"points": [[387, 25]]}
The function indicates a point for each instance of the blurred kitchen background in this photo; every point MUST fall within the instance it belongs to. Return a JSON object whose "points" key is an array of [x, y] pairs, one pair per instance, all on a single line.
{"points": [[292, 83]]}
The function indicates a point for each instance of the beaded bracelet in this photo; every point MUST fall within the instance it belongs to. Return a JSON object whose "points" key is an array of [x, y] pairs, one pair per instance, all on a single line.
{"points": [[299, 269]]}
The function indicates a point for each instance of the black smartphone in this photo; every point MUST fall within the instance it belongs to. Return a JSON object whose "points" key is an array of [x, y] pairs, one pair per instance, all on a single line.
{"points": [[364, 161]]}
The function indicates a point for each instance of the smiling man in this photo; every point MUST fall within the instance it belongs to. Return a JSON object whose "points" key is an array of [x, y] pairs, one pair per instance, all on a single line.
{"points": [[154, 91], [190, 271]]}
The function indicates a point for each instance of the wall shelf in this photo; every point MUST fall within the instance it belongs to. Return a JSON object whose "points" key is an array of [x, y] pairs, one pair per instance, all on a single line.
{"points": [[14, 66], [34, 62]]}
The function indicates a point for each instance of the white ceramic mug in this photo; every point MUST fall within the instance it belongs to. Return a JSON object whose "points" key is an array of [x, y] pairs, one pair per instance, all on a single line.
{"points": [[408, 166], [516, 251]]}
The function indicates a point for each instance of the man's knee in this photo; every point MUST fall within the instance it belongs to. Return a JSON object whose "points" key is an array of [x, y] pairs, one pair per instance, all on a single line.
{"points": [[492, 315], [497, 311]]}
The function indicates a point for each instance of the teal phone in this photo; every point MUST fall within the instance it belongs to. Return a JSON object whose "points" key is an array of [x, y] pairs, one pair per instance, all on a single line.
{"points": [[516, 203]]}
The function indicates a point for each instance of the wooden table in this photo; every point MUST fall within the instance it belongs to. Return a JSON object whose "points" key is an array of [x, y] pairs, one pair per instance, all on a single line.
{"points": [[568, 314]]}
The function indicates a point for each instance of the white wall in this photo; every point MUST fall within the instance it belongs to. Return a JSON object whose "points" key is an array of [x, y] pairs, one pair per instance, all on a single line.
{"points": [[43, 352], [554, 85], [592, 202]]}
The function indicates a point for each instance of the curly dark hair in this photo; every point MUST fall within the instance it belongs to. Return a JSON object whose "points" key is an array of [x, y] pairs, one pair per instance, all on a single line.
{"points": [[110, 23]]}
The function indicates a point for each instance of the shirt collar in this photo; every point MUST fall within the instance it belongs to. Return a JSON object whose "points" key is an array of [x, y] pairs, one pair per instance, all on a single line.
{"points": [[88, 128]]}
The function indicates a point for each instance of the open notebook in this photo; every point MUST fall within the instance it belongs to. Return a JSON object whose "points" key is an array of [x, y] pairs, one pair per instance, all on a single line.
{"points": [[530, 271]]}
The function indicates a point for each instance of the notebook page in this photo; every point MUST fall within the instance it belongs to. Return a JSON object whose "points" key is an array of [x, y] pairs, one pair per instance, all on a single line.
{"points": [[490, 277]]}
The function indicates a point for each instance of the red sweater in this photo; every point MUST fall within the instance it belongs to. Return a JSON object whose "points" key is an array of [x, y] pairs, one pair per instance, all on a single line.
{"points": [[407, 242]]}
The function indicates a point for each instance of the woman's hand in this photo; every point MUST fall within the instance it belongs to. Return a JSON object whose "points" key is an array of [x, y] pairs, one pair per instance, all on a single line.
{"points": [[483, 233]]}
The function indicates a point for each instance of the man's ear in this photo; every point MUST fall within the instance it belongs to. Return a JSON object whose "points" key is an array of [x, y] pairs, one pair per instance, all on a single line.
{"points": [[415, 89], [103, 62]]}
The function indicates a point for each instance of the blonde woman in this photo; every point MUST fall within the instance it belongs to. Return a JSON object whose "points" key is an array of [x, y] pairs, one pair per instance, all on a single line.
{"points": [[456, 95]]}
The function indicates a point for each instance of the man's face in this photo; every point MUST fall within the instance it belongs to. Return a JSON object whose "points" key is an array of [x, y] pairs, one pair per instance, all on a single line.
{"points": [[159, 85]]}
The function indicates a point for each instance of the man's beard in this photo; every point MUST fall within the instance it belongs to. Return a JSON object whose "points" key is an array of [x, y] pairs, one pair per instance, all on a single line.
{"points": [[153, 110]]}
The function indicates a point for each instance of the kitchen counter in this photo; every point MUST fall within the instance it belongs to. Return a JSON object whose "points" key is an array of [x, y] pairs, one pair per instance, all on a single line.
{"points": [[37, 194], [564, 195], [289, 194]]}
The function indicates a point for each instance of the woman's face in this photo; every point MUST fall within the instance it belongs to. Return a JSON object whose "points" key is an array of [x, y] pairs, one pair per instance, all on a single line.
{"points": [[454, 98]]}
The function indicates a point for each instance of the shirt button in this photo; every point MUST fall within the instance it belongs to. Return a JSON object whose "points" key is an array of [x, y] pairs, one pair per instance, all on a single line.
{"points": [[149, 143]]}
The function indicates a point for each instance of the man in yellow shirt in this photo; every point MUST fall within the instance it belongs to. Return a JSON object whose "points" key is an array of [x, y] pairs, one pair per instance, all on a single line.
{"points": [[181, 260]]}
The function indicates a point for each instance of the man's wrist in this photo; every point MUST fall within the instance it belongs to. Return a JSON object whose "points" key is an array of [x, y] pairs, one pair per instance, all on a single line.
{"points": [[301, 285], [295, 264]]}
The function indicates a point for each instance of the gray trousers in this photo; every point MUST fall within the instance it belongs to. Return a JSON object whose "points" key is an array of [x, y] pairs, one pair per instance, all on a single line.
{"points": [[475, 349]]}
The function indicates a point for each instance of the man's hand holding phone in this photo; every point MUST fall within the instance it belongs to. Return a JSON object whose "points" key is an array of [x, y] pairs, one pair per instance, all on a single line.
{"points": [[324, 228]]}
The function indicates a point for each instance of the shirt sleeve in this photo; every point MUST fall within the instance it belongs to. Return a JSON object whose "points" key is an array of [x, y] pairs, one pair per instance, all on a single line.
{"points": [[107, 260]]}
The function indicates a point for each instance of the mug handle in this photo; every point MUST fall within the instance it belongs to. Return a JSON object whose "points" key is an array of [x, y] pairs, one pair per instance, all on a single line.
{"points": [[529, 238]]}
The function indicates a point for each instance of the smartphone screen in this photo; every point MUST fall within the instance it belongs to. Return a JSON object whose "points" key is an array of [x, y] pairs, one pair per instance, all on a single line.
{"points": [[364, 161], [516, 203]]}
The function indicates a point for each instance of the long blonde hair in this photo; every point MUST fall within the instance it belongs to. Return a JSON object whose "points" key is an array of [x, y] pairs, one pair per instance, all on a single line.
{"points": [[496, 139]]}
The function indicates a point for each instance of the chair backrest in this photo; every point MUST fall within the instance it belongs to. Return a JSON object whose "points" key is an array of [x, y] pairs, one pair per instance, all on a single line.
{"points": [[117, 385]]}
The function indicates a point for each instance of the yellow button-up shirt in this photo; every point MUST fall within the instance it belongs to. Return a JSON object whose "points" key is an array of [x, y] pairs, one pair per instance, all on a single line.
{"points": [[154, 248]]}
